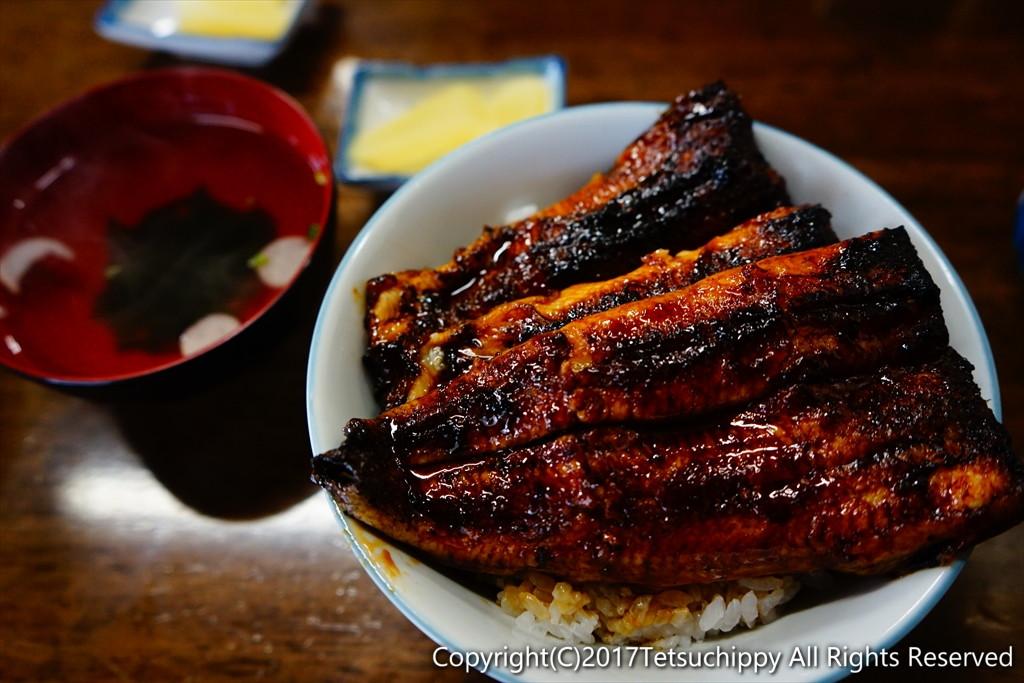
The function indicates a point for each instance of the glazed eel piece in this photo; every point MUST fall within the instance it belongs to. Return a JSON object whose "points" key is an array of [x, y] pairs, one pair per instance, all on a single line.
{"points": [[722, 341], [454, 350], [900, 467], [694, 174]]}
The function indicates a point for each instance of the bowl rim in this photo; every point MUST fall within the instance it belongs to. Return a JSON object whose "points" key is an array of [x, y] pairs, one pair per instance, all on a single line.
{"points": [[327, 189], [896, 631]]}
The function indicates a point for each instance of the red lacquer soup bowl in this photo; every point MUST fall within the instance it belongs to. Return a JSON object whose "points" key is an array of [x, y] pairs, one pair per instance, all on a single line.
{"points": [[152, 219]]}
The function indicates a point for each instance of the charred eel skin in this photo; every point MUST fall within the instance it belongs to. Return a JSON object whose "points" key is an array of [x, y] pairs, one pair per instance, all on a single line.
{"points": [[454, 350], [872, 474], [723, 341], [694, 174]]}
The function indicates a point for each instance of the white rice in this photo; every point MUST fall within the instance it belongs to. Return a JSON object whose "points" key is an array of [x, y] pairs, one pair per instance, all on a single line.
{"points": [[618, 615]]}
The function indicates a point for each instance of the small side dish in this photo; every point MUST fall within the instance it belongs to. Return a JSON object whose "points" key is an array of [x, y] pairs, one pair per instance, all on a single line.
{"points": [[243, 32], [399, 117]]}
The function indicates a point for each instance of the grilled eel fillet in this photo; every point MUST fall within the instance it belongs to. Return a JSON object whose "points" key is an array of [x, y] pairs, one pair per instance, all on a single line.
{"points": [[695, 173], [722, 341], [453, 351], [865, 475]]}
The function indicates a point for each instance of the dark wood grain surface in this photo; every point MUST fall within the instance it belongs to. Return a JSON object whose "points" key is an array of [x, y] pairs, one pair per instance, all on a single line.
{"points": [[165, 530]]}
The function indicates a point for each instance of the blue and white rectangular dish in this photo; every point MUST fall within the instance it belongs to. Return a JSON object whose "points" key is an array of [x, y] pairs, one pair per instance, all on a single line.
{"points": [[380, 90], [159, 25]]}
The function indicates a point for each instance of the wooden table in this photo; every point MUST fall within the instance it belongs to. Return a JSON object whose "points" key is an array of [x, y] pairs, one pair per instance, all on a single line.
{"points": [[167, 531]]}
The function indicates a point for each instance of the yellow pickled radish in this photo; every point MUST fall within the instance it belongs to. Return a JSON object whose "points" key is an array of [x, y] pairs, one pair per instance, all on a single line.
{"points": [[444, 120], [516, 99], [255, 19]]}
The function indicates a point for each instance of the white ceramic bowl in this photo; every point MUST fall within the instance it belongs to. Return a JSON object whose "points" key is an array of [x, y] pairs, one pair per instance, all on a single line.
{"points": [[537, 162]]}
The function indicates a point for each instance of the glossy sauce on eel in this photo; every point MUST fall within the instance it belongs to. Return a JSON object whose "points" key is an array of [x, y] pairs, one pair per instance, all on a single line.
{"points": [[456, 349], [868, 474], [694, 174], [723, 341]]}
